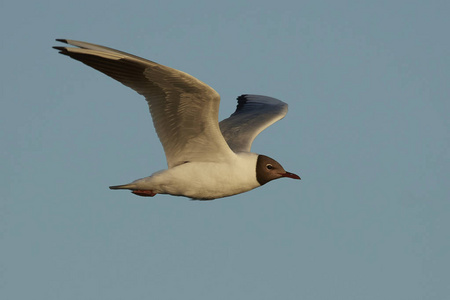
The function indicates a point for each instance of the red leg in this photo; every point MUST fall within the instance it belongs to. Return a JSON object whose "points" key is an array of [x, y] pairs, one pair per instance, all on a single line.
{"points": [[144, 193]]}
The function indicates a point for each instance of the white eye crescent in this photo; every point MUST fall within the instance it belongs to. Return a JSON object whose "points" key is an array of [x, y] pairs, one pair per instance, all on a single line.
{"points": [[269, 166]]}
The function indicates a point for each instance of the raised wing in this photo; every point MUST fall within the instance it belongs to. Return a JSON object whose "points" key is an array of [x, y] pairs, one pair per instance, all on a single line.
{"points": [[253, 114], [184, 109]]}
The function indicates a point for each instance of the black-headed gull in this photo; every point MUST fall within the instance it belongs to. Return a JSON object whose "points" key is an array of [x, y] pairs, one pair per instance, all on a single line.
{"points": [[206, 159]]}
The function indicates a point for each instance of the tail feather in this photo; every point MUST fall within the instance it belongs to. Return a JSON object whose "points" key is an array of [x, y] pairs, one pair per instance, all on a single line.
{"points": [[128, 186]]}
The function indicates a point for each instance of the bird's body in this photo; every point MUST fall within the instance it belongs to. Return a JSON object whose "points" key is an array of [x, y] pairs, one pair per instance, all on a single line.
{"points": [[205, 160], [203, 180]]}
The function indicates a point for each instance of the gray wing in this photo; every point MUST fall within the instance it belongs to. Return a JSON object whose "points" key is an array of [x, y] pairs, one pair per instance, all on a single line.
{"points": [[184, 109], [253, 114]]}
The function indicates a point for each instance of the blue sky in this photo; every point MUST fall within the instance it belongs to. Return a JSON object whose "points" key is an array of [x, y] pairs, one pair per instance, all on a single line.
{"points": [[367, 130]]}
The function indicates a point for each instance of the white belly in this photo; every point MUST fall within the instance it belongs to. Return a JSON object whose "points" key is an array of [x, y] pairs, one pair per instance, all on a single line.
{"points": [[207, 180]]}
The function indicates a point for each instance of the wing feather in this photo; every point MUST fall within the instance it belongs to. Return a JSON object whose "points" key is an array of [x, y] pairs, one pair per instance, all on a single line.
{"points": [[184, 109], [253, 114]]}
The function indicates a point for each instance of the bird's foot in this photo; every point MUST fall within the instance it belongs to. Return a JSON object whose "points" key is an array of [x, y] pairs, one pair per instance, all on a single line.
{"points": [[144, 193]]}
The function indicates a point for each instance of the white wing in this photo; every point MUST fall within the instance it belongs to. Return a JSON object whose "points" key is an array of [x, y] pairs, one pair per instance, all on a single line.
{"points": [[184, 109], [253, 114]]}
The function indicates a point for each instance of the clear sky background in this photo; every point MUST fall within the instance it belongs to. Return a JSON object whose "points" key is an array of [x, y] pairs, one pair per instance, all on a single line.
{"points": [[368, 88]]}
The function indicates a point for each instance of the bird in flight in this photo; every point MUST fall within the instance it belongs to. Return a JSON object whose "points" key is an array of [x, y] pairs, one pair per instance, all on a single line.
{"points": [[206, 159]]}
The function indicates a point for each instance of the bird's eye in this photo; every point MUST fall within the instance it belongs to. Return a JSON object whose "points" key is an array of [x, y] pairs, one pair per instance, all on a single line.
{"points": [[269, 166]]}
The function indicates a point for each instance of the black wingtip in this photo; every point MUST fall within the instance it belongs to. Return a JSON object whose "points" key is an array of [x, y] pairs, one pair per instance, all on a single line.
{"points": [[242, 100], [61, 50]]}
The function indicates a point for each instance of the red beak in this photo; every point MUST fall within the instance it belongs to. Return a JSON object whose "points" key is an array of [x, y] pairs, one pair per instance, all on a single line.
{"points": [[290, 175]]}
